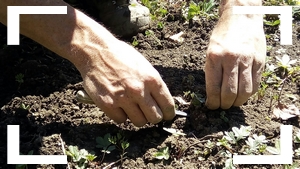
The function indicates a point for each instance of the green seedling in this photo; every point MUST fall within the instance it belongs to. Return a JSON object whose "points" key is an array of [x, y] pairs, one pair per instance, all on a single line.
{"points": [[24, 166], [223, 117], [203, 8], [180, 148], [229, 160], [105, 144], [285, 62], [20, 79], [120, 143], [158, 9], [237, 134], [208, 147], [297, 137], [293, 166], [256, 145], [274, 150], [160, 25], [162, 153], [80, 157], [135, 42], [196, 99], [272, 23], [150, 33], [24, 107]]}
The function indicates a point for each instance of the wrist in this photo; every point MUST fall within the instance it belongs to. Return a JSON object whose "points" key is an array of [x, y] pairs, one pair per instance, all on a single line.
{"points": [[89, 43], [228, 4]]}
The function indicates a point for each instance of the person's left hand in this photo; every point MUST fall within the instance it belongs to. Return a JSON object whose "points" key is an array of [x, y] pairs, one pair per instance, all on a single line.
{"points": [[235, 60]]}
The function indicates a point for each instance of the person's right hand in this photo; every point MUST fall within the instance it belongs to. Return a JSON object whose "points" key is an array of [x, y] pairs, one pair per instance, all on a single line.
{"points": [[125, 85]]}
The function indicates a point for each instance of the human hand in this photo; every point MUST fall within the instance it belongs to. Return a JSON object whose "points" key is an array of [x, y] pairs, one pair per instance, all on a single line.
{"points": [[235, 60], [124, 84]]}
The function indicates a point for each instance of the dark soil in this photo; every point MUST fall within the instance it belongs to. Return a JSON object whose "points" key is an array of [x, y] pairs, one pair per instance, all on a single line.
{"points": [[51, 82]]}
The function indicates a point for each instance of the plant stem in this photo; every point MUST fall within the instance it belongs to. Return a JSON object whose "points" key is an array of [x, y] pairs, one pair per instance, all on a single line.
{"points": [[103, 157]]}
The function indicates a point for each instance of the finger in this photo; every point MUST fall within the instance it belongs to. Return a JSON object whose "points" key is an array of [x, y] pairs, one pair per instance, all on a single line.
{"points": [[162, 101], [135, 115], [116, 114], [229, 86], [245, 87], [105, 103], [151, 110], [257, 70], [213, 78]]}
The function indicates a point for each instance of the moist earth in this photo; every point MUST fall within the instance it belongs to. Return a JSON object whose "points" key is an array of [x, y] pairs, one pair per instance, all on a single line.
{"points": [[43, 103]]}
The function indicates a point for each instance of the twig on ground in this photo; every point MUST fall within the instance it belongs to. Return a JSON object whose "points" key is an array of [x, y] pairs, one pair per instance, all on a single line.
{"points": [[63, 149]]}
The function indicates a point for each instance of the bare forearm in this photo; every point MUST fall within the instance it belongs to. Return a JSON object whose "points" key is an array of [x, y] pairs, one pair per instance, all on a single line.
{"points": [[73, 36]]}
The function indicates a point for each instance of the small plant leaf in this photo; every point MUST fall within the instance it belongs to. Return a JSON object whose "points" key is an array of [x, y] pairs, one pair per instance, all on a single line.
{"points": [[273, 150], [297, 137], [103, 142], [162, 153]]}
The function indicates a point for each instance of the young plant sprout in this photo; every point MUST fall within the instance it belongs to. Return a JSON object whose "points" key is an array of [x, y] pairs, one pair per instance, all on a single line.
{"points": [[80, 157], [105, 144], [162, 153]]}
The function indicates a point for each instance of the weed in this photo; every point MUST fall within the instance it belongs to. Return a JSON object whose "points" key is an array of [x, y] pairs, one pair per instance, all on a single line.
{"points": [[276, 77], [160, 25], [158, 9], [274, 150], [229, 161], [202, 9], [120, 143], [272, 22], [196, 99], [223, 117], [24, 107], [150, 33], [105, 144], [293, 166], [80, 157], [180, 148], [162, 153], [297, 137], [208, 147], [20, 79], [135, 42], [256, 145], [237, 134]]}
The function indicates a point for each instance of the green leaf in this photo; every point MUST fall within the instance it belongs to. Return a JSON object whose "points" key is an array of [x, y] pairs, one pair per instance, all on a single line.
{"points": [[103, 142], [273, 150], [110, 148], [124, 145], [163, 153], [90, 157]]}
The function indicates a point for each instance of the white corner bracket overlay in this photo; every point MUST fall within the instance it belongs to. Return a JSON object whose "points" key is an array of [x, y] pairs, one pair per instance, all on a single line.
{"points": [[13, 151], [13, 18], [286, 151], [286, 18]]}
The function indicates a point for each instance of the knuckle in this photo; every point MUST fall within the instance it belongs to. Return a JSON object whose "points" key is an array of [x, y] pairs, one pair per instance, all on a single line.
{"points": [[108, 102], [230, 92], [135, 88]]}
